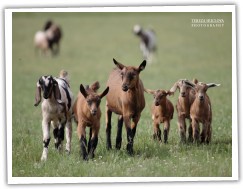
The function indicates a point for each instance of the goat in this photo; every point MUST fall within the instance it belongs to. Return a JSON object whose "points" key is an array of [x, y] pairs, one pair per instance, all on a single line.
{"points": [[147, 42], [162, 112], [126, 98], [56, 111], [201, 111], [184, 102], [87, 114], [49, 38]]}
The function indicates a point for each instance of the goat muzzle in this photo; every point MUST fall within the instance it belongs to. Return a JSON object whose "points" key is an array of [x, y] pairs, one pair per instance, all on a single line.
{"points": [[125, 88], [183, 94], [201, 98], [93, 112]]}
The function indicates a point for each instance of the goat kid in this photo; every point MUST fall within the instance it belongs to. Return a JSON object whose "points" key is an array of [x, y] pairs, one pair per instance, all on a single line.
{"points": [[184, 102], [162, 112], [87, 114], [126, 98], [56, 111], [201, 112]]}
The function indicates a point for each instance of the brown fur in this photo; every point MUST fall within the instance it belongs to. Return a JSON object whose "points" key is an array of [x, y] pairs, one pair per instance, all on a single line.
{"points": [[87, 114], [201, 112], [162, 112], [126, 98], [184, 102]]}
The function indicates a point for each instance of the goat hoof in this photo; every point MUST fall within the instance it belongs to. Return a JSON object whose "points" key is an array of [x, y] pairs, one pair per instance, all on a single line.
{"points": [[67, 152], [118, 146], [108, 147]]}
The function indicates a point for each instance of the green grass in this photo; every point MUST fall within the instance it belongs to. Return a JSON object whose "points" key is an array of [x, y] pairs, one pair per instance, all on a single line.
{"points": [[90, 42]]}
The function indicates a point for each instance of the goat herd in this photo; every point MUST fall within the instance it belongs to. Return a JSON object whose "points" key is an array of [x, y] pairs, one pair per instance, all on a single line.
{"points": [[125, 97]]}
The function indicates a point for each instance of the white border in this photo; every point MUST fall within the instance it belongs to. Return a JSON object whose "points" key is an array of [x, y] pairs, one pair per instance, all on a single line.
{"points": [[8, 46]]}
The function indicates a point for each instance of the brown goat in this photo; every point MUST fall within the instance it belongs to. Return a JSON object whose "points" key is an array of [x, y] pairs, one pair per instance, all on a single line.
{"points": [[87, 114], [126, 98], [162, 112], [184, 102], [201, 112]]}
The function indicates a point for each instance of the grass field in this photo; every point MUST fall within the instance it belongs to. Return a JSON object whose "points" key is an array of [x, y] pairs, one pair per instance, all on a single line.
{"points": [[90, 42]]}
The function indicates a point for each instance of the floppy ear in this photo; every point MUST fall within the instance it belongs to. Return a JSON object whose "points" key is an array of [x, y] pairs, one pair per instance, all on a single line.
{"points": [[142, 66], [212, 85], [57, 92], [149, 91], [119, 65], [173, 89], [83, 91], [169, 93], [104, 92], [38, 93]]}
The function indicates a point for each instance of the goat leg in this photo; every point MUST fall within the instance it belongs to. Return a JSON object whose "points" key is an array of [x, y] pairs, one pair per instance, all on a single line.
{"points": [[108, 129], [119, 133]]}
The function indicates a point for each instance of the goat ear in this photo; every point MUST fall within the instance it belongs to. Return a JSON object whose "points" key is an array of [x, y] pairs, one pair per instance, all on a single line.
{"points": [[169, 93], [119, 65], [142, 66], [38, 93], [95, 86], [212, 85], [57, 92], [83, 91], [149, 91], [104, 92], [195, 81], [173, 89]]}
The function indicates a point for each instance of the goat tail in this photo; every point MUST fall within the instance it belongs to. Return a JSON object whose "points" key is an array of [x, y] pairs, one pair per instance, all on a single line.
{"points": [[64, 75]]}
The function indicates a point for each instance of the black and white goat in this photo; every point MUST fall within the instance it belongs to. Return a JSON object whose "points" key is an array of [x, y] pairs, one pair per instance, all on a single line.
{"points": [[56, 110], [147, 42]]}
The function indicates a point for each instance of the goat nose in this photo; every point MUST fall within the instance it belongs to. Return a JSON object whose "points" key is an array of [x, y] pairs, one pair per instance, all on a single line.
{"points": [[93, 112], [201, 97], [183, 94], [124, 88], [156, 103]]}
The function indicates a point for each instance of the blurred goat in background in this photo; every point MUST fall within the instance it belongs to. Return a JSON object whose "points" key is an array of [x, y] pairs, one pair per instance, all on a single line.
{"points": [[148, 42]]}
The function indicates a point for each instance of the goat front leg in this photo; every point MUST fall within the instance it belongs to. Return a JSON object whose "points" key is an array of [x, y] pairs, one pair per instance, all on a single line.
{"points": [[190, 138], [166, 131], [82, 139], [209, 133], [131, 127], [119, 132], [58, 133], [46, 138], [68, 135], [157, 131], [182, 128], [108, 128], [195, 130], [94, 140], [204, 132]]}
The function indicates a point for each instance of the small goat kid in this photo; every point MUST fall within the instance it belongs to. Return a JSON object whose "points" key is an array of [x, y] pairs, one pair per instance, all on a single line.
{"points": [[126, 98], [162, 112], [201, 112], [87, 113], [56, 110], [184, 102]]}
